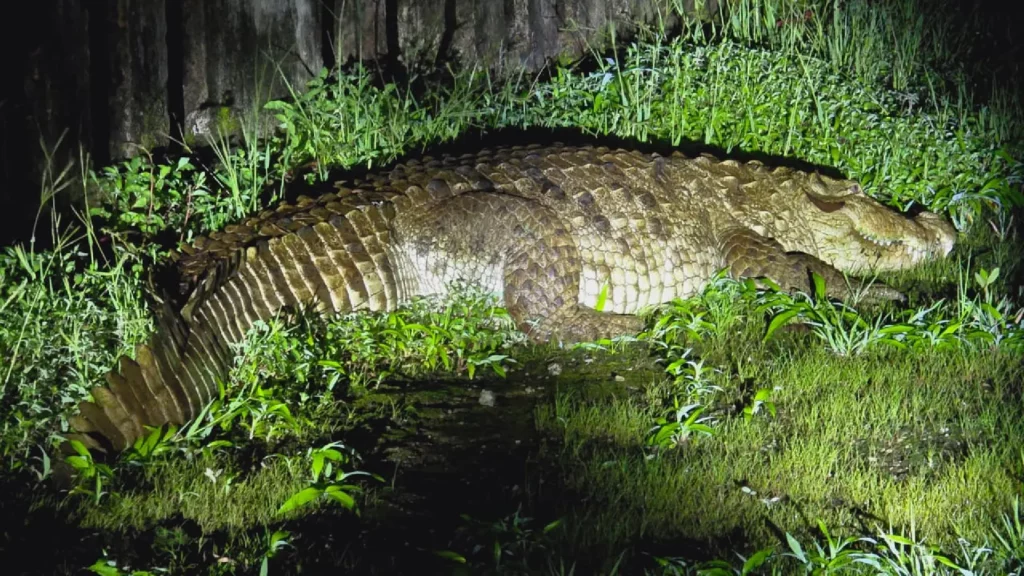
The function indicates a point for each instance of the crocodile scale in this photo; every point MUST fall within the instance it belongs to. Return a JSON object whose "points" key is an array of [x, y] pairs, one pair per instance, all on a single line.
{"points": [[544, 228]]}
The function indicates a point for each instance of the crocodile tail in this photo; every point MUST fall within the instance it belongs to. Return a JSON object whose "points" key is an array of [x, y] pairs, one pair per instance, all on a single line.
{"points": [[141, 391], [337, 262]]}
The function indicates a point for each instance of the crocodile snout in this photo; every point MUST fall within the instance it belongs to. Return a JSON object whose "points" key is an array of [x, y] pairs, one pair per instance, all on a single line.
{"points": [[943, 233]]}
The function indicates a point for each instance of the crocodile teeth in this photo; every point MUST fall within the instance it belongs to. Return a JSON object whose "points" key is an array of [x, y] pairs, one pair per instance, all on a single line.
{"points": [[879, 241]]}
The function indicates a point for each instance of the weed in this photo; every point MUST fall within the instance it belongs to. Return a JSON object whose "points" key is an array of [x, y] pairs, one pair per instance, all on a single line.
{"points": [[326, 460], [686, 424], [91, 474]]}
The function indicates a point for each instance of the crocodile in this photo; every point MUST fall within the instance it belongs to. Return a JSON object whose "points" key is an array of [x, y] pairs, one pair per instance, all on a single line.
{"points": [[548, 229]]}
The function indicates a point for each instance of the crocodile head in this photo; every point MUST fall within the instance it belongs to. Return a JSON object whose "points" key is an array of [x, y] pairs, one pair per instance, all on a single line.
{"points": [[835, 221]]}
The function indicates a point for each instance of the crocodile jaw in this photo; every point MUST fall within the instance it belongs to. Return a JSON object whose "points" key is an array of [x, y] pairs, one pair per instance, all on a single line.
{"points": [[880, 240], [835, 221]]}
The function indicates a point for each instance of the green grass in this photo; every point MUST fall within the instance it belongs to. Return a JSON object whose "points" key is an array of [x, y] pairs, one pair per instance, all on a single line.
{"points": [[223, 498], [63, 316], [247, 454], [876, 443], [877, 421], [926, 437]]}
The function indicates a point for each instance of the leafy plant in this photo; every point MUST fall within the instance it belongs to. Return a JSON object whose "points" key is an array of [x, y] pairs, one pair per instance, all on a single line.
{"points": [[685, 424], [326, 461], [157, 441], [254, 408], [512, 543], [105, 567], [1009, 533], [64, 315], [275, 542], [142, 197], [461, 333], [761, 401], [91, 474], [838, 324], [832, 558]]}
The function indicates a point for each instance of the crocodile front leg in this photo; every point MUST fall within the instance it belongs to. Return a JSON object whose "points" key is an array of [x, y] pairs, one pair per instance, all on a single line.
{"points": [[750, 255], [542, 286], [514, 245]]}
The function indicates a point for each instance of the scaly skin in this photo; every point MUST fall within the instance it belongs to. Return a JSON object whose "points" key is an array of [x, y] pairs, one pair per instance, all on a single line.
{"points": [[544, 228]]}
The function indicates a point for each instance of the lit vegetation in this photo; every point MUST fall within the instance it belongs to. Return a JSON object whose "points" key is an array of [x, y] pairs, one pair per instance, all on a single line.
{"points": [[748, 431]]}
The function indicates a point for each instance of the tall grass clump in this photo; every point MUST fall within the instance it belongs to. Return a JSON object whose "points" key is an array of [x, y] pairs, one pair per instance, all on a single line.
{"points": [[65, 313]]}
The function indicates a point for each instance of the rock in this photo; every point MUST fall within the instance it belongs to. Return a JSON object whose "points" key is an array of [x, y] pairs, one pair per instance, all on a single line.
{"points": [[486, 398]]}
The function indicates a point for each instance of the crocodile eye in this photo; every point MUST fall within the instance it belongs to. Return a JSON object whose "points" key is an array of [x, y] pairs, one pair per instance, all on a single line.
{"points": [[826, 206], [855, 189]]}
